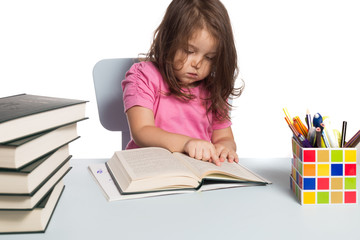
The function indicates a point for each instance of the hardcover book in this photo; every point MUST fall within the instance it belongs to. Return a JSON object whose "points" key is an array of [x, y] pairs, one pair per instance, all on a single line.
{"points": [[156, 169], [35, 220], [18, 153], [23, 115], [27, 179], [29, 201]]}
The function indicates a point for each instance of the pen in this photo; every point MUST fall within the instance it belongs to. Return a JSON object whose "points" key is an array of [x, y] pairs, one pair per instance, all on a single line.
{"points": [[308, 119], [343, 134], [325, 138]]}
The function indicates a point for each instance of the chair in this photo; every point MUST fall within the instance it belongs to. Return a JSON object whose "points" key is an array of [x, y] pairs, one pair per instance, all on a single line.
{"points": [[107, 76]]}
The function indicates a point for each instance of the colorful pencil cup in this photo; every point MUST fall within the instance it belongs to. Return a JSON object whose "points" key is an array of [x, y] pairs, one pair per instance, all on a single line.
{"points": [[323, 176]]}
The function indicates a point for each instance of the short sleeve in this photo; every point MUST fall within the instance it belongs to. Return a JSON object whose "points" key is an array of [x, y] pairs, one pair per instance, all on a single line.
{"points": [[217, 124], [140, 86]]}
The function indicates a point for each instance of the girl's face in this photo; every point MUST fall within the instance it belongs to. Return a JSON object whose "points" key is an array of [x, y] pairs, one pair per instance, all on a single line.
{"points": [[195, 63]]}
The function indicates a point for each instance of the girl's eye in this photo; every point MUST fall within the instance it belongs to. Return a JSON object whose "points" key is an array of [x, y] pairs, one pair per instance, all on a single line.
{"points": [[209, 58], [188, 51]]}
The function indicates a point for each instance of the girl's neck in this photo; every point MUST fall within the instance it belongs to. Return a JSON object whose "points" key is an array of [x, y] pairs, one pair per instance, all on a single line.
{"points": [[193, 85]]}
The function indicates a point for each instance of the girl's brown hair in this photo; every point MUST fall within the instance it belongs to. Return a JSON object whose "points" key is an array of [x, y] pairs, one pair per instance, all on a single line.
{"points": [[181, 20]]}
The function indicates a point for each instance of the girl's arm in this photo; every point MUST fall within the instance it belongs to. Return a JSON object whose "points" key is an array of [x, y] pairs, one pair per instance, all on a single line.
{"points": [[146, 134], [224, 143]]}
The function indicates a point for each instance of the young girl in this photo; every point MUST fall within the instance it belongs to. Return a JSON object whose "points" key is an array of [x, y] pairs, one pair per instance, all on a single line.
{"points": [[177, 98]]}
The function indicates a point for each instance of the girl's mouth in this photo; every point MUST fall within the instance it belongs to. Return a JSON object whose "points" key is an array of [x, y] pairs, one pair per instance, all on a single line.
{"points": [[192, 75]]}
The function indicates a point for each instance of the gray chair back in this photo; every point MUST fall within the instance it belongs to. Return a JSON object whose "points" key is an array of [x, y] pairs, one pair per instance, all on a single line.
{"points": [[107, 76]]}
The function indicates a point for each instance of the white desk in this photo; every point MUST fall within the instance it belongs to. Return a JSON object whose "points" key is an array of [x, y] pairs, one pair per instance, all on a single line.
{"points": [[265, 212]]}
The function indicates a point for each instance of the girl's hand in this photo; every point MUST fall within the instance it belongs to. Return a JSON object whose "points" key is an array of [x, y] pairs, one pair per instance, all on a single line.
{"points": [[202, 150], [226, 153]]}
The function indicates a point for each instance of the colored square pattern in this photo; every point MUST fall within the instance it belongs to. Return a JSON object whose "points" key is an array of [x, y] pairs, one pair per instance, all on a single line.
{"points": [[336, 155], [323, 197], [323, 155], [323, 170], [350, 156], [337, 169], [337, 197], [309, 184], [350, 169], [337, 183], [323, 183], [309, 198], [309, 170], [324, 176], [350, 197], [309, 155], [350, 183]]}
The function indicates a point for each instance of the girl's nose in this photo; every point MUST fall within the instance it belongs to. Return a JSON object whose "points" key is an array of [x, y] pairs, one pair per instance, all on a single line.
{"points": [[196, 62]]}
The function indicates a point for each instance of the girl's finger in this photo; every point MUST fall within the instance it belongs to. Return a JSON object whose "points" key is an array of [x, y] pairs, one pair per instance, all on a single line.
{"points": [[224, 155]]}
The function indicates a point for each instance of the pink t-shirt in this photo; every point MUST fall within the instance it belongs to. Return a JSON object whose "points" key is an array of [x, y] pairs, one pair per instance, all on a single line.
{"points": [[144, 86]]}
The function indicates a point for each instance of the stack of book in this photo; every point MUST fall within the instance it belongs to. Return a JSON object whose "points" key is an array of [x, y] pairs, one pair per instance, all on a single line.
{"points": [[35, 132]]}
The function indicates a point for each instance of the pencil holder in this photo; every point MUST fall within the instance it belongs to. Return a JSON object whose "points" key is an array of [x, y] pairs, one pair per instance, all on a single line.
{"points": [[323, 176]]}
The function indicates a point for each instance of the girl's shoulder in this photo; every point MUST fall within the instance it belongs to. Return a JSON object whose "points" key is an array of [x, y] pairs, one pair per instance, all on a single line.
{"points": [[145, 68], [146, 73]]}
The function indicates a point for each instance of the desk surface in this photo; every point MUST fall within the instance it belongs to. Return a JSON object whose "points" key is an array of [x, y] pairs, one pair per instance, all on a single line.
{"points": [[262, 212]]}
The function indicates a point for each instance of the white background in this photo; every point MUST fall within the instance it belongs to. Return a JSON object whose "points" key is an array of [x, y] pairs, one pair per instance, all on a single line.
{"points": [[294, 54]]}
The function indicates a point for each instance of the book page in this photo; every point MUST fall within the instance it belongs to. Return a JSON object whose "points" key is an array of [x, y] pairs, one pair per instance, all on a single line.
{"points": [[233, 170], [152, 162], [102, 176]]}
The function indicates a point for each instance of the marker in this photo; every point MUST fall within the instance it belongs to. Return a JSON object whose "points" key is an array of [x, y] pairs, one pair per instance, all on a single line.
{"points": [[312, 136], [317, 121], [318, 137], [305, 143]]}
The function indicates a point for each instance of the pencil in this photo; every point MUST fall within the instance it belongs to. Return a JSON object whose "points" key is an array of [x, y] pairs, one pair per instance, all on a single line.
{"points": [[300, 126], [287, 115], [354, 140]]}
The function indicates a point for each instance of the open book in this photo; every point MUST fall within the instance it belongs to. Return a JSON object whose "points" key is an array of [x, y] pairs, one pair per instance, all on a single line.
{"points": [[156, 169]]}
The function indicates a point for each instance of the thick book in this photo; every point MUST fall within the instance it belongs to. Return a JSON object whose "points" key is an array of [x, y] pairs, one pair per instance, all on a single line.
{"points": [[16, 154], [35, 220], [27, 179], [154, 169], [24, 114], [29, 201], [103, 178]]}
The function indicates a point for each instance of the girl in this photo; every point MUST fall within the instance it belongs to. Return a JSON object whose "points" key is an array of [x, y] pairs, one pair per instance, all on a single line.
{"points": [[177, 98]]}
